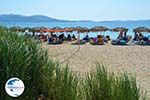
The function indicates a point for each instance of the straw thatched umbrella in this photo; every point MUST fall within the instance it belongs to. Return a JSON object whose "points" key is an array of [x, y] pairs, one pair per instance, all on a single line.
{"points": [[16, 29], [81, 30], [34, 30], [120, 29], [99, 29], [141, 29], [56, 28], [26, 28], [69, 29]]}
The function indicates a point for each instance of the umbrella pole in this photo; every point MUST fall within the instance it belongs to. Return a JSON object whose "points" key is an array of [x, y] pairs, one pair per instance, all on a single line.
{"points": [[79, 37]]}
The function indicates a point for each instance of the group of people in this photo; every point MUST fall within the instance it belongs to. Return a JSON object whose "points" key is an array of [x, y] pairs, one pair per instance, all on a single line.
{"points": [[122, 39], [100, 40], [141, 38], [54, 39]]}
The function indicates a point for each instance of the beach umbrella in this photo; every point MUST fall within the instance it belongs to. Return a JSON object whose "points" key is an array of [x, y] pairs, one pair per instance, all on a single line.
{"points": [[81, 29], [57, 28], [43, 28], [27, 28], [77, 28], [99, 29], [16, 29], [84, 30], [141, 29], [120, 29], [69, 30], [35, 29]]}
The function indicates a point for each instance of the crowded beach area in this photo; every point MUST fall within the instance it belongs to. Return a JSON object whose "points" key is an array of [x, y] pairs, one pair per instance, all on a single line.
{"points": [[124, 54]]}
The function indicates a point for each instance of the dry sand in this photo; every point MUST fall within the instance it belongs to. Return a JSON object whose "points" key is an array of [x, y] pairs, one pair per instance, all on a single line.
{"points": [[133, 58]]}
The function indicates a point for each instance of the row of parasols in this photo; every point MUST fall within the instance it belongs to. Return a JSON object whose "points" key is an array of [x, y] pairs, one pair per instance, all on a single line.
{"points": [[78, 29]]}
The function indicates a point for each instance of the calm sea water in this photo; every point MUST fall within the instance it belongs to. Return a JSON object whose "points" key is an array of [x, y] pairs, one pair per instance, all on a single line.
{"points": [[127, 24]]}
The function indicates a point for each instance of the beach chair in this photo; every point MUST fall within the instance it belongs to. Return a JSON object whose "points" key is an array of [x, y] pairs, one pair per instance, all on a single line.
{"points": [[82, 42], [119, 42]]}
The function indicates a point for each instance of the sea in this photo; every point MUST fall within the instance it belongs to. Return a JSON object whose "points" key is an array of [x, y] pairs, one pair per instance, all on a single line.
{"points": [[110, 24]]}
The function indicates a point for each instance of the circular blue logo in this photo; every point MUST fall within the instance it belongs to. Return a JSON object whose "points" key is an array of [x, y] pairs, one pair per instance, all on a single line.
{"points": [[14, 87]]}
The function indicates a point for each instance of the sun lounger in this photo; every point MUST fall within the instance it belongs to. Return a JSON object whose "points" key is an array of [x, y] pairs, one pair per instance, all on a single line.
{"points": [[82, 42], [119, 42]]}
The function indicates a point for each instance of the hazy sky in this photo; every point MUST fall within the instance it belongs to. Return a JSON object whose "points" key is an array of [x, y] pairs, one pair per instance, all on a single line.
{"points": [[80, 9]]}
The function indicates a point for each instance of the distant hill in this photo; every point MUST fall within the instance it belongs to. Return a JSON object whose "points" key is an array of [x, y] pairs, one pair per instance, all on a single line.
{"points": [[21, 18], [41, 18]]}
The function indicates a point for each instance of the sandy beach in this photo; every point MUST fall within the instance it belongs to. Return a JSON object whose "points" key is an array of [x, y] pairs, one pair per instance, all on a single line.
{"points": [[132, 59]]}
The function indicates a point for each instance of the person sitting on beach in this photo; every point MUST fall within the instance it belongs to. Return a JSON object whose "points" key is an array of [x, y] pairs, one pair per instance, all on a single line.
{"points": [[41, 37], [69, 37], [141, 38], [26, 34], [45, 38], [50, 39], [61, 37], [86, 38], [73, 37], [54, 36], [95, 40], [136, 37], [100, 40], [145, 38], [106, 39]]}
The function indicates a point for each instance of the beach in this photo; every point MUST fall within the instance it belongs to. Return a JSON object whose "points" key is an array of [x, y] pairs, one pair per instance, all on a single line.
{"points": [[133, 59]]}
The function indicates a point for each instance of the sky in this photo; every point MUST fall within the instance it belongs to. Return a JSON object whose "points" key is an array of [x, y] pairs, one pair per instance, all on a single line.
{"points": [[95, 10]]}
